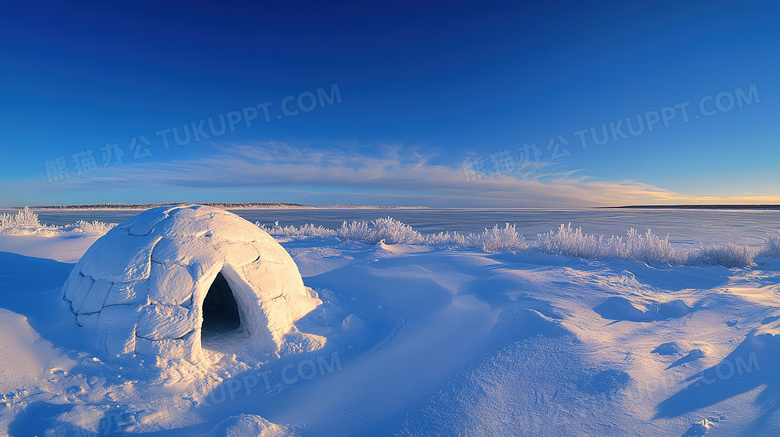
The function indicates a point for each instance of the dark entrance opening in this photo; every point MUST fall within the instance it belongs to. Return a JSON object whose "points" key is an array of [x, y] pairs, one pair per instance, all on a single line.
{"points": [[220, 310]]}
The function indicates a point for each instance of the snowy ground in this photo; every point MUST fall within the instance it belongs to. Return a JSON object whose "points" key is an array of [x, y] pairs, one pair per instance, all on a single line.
{"points": [[422, 340]]}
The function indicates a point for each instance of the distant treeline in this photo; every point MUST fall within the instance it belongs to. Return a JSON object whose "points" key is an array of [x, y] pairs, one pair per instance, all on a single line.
{"points": [[757, 207], [155, 205], [223, 205]]}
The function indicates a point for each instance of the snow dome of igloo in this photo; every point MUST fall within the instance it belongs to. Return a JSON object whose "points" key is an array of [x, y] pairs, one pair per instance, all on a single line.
{"points": [[156, 283]]}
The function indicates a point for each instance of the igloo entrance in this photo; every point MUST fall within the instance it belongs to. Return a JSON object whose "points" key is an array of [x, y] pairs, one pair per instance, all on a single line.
{"points": [[220, 310]]}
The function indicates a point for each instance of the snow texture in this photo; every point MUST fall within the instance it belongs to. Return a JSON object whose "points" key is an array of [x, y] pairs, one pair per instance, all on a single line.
{"points": [[249, 425], [141, 287]]}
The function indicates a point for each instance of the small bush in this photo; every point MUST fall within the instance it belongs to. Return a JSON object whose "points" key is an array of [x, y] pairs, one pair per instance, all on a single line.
{"points": [[24, 218], [634, 246], [571, 242], [394, 232], [446, 239], [305, 231], [92, 228], [495, 239], [24, 222], [729, 255], [645, 247], [771, 247], [357, 231], [566, 240], [388, 229]]}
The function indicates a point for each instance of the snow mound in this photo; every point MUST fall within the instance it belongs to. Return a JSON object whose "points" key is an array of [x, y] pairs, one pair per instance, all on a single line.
{"points": [[620, 308], [26, 357], [155, 283], [606, 381], [751, 365], [245, 425], [668, 348], [701, 427]]}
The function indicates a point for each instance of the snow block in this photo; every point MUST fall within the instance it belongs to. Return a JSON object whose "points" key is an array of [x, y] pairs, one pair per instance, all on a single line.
{"points": [[96, 297], [128, 293], [273, 280], [179, 348], [80, 295], [88, 320], [169, 284], [145, 226], [226, 228], [160, 210], [241, 254], [185, 251], [73, 282], [117, 325], [158, 322], [117, 257], [248, 425], [187, 222]]}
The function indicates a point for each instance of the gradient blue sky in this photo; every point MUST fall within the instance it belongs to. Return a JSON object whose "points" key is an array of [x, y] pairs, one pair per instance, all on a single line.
{"points": [[423, 86]]}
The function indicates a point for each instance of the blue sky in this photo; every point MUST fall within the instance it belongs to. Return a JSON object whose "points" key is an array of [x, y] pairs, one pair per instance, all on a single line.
{"points": [[413, 92]]}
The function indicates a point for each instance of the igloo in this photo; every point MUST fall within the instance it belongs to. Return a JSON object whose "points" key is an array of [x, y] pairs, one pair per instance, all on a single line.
{"points": [[156, 283]]}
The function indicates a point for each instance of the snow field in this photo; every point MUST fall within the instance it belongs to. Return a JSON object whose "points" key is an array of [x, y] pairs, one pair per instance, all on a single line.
{"points": [[430, 340]]}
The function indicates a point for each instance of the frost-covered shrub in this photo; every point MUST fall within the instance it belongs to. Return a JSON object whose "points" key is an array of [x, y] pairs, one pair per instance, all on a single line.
{"points": [[357, 231], [24, 222], [392, 231], [388, 229], [771, 247], [446, 239], [728, 255], [306, 231], [395, 232], [275, 229], [24, 218], [634, 246], [645, 247], [92, 228], [571, 242], [491, 240], [309, 230], [566, 240], [497, 239]]}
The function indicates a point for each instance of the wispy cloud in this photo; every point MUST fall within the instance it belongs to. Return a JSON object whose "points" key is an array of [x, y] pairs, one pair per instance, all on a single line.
{"points": [[380, 175]]}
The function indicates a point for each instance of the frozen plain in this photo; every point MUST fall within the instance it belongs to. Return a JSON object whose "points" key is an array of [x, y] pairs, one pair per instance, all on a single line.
{"points": [[425, 338]]}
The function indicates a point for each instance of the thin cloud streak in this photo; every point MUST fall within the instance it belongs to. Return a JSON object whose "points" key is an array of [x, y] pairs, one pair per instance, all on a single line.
{"points": [[401, 175]]}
